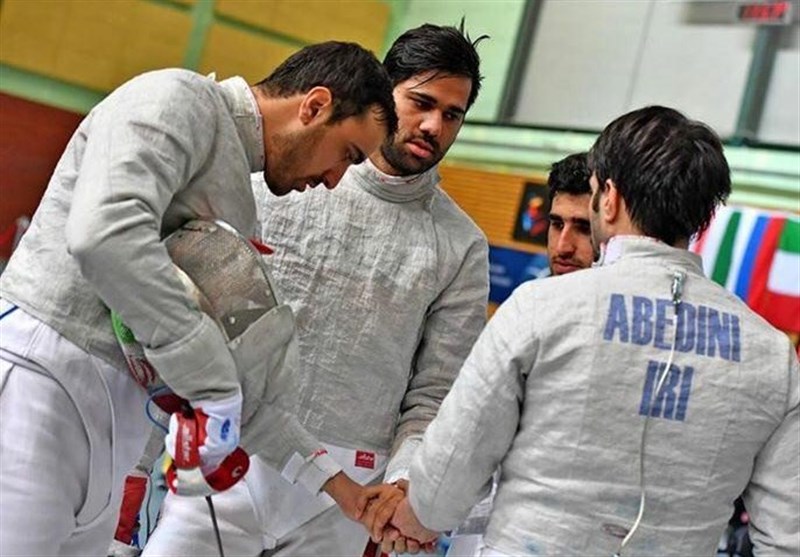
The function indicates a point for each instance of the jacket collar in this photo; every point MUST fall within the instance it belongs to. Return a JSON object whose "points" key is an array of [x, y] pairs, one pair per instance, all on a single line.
{"points": [[247, 117], [395, 189], [643, 247]]}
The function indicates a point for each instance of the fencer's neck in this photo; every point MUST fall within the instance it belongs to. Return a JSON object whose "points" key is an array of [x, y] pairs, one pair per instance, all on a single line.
{"points": [[396, 189]]}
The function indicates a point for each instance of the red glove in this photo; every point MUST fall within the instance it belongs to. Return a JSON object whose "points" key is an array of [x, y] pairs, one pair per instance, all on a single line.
{"points": [[203, 446]]}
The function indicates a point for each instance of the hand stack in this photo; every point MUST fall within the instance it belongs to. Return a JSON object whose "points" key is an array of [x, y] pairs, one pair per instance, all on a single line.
{"points": [[391, 521]]}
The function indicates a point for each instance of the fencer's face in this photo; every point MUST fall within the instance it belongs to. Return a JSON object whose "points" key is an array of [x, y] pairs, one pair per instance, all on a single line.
{"points": [[598, 234], [430, 114], [569, 242], [319, 153]]}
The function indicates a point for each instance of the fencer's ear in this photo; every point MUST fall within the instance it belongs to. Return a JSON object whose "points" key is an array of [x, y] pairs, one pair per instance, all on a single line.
{"points": [[611, 201], [316, 105]]}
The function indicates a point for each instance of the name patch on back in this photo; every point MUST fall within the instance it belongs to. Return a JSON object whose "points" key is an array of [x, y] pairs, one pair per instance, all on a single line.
{"points": [[700, 329]]}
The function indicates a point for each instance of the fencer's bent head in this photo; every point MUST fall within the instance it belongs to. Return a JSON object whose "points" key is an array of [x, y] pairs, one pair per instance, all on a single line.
{"points": [[669, 171], [355, 77], [326, 107], [436, 50]]}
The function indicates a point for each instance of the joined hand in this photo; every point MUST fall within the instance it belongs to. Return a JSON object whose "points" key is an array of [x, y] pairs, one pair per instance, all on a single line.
{"points": [[392, 523]]}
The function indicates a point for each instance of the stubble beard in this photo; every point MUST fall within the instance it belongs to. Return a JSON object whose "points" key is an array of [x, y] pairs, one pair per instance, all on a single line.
{"points": [[404, 163], [289, 149]]}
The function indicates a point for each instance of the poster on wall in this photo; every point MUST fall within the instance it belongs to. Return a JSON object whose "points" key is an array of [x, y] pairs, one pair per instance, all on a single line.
{"points": [[508, 268], [534, 206]]}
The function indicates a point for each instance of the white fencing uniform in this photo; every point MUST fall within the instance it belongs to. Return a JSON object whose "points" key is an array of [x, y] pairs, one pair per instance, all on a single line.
{"points": [[388, 279], [558, 392], [164, 148], [61, 502]]}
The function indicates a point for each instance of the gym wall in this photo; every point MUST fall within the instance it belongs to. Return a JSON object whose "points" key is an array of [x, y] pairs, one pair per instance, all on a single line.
{"points": [[58, 58]]}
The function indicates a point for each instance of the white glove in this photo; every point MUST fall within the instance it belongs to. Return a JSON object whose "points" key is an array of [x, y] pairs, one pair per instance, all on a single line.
{"points": [[214, 437]]}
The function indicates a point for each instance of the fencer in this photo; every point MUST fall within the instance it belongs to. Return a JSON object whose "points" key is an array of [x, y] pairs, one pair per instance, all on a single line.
{"points": [[164, 148], [627, 424], [389, 282]]}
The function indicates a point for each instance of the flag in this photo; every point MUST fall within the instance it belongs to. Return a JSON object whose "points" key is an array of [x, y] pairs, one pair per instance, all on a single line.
{"points": [[779, 300], [729, 247], [756, 255]]}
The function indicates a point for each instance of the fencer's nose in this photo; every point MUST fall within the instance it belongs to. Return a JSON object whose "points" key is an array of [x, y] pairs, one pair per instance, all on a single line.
{"points": [[432, 123], [566, 244]]}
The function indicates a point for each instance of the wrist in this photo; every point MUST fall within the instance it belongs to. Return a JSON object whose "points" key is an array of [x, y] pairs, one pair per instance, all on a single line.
{"points": [[337, 486], [344, 491]]}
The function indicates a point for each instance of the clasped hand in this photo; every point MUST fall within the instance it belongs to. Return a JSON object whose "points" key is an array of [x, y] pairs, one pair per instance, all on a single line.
{"points": [[385, 513], [391, 521]]}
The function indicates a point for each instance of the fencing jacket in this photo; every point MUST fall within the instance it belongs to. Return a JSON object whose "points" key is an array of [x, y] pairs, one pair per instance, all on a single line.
{"points": [[388, 279], [556, 390], [166, 147]]}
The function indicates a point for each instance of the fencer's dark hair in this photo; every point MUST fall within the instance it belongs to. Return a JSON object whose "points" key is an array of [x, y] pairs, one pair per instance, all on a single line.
{"points": [[355, 77], [570, 175], [670, 171], [444, 50]]}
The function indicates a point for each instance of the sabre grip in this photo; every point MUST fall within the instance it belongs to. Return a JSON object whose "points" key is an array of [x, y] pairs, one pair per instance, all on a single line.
{"points": [[192, 433], [192, 482]]}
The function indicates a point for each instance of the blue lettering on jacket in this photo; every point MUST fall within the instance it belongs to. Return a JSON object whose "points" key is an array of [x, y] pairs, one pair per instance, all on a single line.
{"points": [[672, 401], [642, 330], [617, 319], [736, 355], [662, 323], [700, 343], [686, 389], [703, 330], [723, 334], [687, 317]]}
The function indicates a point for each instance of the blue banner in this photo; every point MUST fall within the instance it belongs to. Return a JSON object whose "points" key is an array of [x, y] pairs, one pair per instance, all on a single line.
{"points": [[508, 268]]}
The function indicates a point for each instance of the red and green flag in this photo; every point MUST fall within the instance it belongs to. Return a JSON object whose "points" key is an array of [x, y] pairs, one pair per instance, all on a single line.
{"points": [[756, 255]]}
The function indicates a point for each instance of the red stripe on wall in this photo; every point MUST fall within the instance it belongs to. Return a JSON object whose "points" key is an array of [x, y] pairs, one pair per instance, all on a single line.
{"points": [[32, 138]]}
